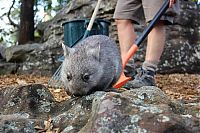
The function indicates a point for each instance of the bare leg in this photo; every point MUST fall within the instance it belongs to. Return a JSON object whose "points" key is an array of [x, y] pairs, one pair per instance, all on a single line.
{"points": [[155, 43], [126, 35], [155, 46]]}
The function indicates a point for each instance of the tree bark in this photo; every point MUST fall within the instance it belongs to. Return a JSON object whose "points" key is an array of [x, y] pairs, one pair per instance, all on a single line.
{"points": [[26, 29]]}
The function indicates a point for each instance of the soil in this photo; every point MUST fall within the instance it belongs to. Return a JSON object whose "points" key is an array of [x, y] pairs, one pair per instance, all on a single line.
{"points": [[177, 86]]}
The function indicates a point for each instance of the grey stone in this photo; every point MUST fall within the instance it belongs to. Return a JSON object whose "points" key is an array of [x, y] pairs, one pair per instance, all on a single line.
{"points": [[19, 53], [7, 68], [145, 109]]}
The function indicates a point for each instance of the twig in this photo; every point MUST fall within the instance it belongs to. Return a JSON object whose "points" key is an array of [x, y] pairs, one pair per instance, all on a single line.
{"points": [[10, 20]]}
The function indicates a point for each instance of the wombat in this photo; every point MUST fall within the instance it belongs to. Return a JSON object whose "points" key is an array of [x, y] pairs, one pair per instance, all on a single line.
{"points": [[94, 64]]}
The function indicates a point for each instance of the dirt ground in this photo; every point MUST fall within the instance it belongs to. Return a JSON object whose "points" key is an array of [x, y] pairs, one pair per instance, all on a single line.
{"points": [[177, 86]]}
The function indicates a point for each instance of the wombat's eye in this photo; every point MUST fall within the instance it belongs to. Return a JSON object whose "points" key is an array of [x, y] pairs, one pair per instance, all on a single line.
{"points": [[85, 77], [69, 76]]}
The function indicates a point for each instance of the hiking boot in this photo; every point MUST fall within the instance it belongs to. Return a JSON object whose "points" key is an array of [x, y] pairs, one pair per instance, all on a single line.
{"points": [[142, 78]]}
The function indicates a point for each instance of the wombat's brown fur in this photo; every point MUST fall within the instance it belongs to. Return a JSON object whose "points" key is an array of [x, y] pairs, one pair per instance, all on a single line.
{"points": [[93, 64]]}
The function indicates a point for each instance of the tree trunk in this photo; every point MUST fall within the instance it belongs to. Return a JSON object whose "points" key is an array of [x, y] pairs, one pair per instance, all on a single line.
{"points": [[26, 30]]}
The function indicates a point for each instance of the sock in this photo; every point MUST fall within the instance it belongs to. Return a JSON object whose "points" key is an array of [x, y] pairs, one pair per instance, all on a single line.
{"points": [[150, 65]]}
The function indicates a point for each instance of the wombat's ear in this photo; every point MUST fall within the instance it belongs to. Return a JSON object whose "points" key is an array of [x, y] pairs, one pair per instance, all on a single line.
{"points": [[67, 50], [94, 51]]}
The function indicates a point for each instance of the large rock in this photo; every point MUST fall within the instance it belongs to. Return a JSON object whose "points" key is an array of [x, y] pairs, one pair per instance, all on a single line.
{"points": [[35, 100], [7, 68], [24, 109], [43, 61], [19, 53], [182, 51], [32, 108], [35, 58]]}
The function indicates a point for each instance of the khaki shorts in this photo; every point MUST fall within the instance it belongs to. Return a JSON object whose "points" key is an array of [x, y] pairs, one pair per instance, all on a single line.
{"points": [[140, 10]]}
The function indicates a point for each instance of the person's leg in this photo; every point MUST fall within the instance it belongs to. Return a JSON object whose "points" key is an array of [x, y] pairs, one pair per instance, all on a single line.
{"points": [[126, 13], [156, 38], [155, 46], [126, 35]]}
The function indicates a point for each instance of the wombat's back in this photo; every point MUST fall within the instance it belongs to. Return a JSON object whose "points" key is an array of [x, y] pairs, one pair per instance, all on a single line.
{"points": [[99, 58]]}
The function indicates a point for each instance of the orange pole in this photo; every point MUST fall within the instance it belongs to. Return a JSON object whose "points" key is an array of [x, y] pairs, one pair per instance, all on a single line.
{"points": [[129, 54], [123, 79]]}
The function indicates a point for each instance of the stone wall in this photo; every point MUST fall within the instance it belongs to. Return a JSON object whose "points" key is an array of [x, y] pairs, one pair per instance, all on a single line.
{"points": [[182, 51]]}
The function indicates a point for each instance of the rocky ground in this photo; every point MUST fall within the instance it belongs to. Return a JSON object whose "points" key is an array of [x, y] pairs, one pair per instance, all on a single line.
{"points": [[133, 109], [185, 87]]}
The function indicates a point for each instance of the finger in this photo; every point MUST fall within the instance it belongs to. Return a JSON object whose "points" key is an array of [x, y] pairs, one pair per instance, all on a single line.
{"points": [[171, 2]]}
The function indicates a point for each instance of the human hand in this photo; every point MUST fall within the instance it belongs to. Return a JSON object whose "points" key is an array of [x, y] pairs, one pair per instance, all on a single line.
{"points": [[171, 2]]}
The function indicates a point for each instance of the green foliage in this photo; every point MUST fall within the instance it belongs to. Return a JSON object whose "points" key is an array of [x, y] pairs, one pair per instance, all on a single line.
{"points": [[8, 34], [8, 37], [194, 1]]}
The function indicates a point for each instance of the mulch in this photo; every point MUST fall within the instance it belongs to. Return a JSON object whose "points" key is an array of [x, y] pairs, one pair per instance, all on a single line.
{"points": [[177, 86]]}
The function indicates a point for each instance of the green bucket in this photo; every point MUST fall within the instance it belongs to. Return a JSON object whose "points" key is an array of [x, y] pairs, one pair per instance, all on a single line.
{"points": [[74, 30]]}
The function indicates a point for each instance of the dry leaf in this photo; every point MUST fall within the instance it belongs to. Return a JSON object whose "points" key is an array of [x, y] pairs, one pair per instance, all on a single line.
{"points": [[21, 82], [176, 86]]}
